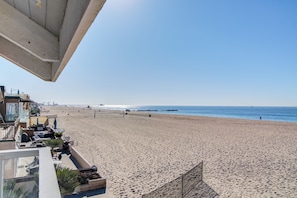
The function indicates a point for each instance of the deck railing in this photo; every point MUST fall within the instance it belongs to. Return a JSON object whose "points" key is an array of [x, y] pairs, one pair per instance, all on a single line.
{"points": [[47, 182]]}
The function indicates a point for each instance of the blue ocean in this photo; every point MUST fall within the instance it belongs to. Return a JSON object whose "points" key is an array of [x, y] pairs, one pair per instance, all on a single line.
{"points": [[284, 114]]}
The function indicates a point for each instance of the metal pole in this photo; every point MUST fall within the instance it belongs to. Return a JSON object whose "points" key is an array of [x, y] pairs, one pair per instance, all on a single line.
{"points": [[1, 178], [182, 194]]}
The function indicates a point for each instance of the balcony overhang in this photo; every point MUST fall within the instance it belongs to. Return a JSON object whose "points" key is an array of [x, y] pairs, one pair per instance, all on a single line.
{"points": [[41, 36]]}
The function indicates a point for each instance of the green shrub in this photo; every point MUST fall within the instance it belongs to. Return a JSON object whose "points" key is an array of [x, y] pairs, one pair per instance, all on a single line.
{"points": [[58, 134], [54, 143], [67, 180]]}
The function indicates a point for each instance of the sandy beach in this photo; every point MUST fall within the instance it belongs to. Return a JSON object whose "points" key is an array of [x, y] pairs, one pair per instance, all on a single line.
{"points": [[137, 153]]}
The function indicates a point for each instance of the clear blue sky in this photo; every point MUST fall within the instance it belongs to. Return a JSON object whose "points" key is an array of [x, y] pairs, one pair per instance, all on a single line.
{"points": [[172, 52]]}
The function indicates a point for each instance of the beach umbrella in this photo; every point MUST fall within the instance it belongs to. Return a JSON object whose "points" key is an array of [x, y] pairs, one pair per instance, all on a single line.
{"points": [[55, 123]]}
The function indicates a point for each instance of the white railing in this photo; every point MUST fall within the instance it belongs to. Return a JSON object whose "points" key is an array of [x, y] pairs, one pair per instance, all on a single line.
{"points": [[48, 184]]}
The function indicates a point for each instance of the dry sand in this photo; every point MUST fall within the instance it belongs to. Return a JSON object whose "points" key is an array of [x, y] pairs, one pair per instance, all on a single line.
{"points": [[138, 153]]}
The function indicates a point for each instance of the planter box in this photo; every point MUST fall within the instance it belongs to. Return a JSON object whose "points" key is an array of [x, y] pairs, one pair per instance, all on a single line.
{"points": [[92, 185]]}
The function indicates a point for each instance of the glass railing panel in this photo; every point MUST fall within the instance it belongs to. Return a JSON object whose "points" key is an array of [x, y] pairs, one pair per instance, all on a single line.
{"points": [[21, 177], [24, 115], [28, 173], [11, 117]]}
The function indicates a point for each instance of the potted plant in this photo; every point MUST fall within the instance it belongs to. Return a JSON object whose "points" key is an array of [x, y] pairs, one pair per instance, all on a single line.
{"points": [[53, 143], [67, 180], [58, 135]]}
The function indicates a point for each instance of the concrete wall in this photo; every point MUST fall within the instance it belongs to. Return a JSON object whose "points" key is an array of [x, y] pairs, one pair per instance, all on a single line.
{"points": [[79, 158], [92, 184], [7, 145]]}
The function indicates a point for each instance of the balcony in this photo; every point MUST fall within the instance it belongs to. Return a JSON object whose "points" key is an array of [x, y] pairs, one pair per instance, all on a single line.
{"points": [[19, 173]]}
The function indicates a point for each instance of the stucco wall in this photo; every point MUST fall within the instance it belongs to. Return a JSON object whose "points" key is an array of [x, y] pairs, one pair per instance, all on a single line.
{"points": [[7, 145], [79, 158]]}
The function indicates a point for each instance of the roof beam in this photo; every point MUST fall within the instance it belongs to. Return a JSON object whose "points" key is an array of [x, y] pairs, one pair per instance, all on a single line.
{"points": [[25, 60], [78, 19], [32, 37]]}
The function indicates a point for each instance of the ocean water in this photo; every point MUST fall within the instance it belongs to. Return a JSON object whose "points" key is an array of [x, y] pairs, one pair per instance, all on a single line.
{"points": [[284, 114]]}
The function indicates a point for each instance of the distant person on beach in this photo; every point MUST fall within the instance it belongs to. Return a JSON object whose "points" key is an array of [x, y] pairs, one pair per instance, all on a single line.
{"points": [[260, 117]]}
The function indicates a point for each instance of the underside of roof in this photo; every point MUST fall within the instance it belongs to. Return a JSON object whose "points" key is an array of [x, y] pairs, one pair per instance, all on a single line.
{"points": [[40, 36]]}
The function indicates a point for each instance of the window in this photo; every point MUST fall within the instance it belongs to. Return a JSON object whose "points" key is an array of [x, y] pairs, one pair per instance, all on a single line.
{"points": [[12, 112]]}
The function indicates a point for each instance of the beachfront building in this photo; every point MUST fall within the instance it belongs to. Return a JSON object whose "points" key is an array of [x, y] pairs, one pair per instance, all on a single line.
{"points": [[39, 36], [15, 180], [14, 113], [27, 165], [14, 106]]}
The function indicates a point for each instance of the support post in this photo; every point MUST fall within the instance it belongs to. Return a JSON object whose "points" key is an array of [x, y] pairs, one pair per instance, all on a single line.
{"points": [[1, 177]]}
